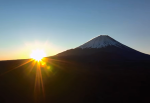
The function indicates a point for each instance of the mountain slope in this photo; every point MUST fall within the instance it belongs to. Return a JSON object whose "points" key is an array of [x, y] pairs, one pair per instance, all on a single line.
{"points": [[104, 47]]}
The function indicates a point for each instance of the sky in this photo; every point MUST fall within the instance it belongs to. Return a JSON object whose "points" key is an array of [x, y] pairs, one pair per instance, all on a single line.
{"points": [[58, 25]]}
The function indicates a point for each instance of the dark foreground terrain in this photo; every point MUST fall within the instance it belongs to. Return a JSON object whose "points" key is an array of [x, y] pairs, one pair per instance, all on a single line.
{"points": [[71, 82]]}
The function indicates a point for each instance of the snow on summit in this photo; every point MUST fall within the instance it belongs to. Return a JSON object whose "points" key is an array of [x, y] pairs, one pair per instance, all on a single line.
{"points": [[101, 41]]}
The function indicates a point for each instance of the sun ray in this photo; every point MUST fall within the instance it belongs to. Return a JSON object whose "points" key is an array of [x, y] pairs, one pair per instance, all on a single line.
{"points": [[52, 63], [31, 67], [15, 67], [60, 60], [39, 82]]}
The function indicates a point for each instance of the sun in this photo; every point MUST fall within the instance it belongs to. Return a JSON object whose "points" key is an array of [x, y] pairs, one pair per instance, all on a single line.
{"points": [[38, 54]]}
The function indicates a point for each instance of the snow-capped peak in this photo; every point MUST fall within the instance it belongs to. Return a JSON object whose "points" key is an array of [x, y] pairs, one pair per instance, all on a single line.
{"points": [[101, 41]]}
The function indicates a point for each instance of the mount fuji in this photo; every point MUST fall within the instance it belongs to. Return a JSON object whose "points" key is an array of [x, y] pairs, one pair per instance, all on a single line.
{"points": [[103, 48], [100, 42]]}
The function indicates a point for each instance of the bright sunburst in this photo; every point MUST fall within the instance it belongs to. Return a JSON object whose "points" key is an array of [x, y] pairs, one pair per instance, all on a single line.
{"points": [[37, 54]]}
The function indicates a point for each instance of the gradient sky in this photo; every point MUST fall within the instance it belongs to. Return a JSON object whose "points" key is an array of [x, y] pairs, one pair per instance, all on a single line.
{"points": [[58, 25]]}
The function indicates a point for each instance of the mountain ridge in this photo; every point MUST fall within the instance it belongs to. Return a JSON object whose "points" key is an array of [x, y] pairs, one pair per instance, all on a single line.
{"points": [[102, 47]]}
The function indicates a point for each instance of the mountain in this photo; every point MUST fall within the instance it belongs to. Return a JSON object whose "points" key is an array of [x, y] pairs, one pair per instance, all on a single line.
{"points": [[103, 48], [100, 42]]}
